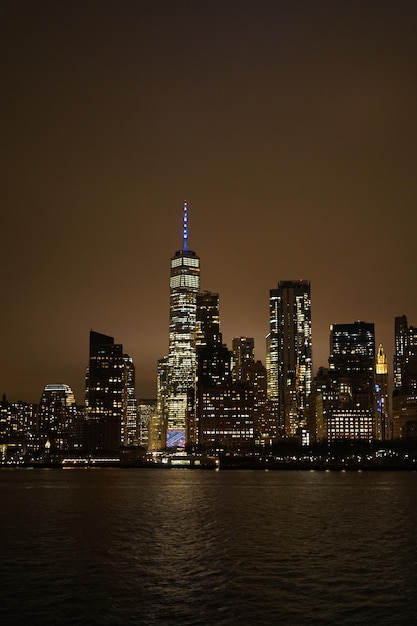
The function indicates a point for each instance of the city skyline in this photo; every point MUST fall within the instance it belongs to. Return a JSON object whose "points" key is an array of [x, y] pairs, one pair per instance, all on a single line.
{"points": [[288, 128]]}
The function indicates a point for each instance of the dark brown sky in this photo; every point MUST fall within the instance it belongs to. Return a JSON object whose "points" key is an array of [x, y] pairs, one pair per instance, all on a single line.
{"points": [[288, 125]]}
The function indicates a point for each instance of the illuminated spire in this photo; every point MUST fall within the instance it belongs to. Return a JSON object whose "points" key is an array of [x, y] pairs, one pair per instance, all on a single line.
{"points": [[185, 227]]}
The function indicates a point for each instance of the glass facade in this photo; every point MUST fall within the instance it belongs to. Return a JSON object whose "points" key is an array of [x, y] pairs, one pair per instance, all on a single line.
{"points": [[181, 367], [289, 354]]}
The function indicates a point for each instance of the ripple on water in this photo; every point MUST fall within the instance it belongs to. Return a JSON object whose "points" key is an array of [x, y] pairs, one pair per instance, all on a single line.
{"points": [[195, 548]]}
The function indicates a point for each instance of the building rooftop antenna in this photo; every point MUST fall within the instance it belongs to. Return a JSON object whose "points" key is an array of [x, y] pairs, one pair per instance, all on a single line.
{"points": [[185, 227]]}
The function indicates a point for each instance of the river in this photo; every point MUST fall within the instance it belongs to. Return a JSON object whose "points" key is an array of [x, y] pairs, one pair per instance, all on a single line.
{"points": [[195, 547]]}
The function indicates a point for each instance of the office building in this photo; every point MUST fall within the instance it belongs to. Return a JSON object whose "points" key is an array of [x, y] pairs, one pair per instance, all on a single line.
{"points": [[213, 369], [146, 420], [383, 424], [264, 419], [343, 399], [243, 355], [289, 355], [404, 397], [207, 319], [226, 418], [352, 355], [181, 373], [109, 398], [160, 418], [352, 363], [213, 357], [59, 419], [18, 431], [130, 421], [17, 420], [231, 407]]}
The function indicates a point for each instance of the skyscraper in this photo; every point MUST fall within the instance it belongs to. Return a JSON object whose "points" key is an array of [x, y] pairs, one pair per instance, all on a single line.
{"points": [[401, 349], [383, 422], [130, 429], [213, 365], [404, 397], [405, 357], [213, 357], [184, 287], [253, 373], [109, 394], [352, 367], [58, 416], [208, 319], [160, 417], [352, 355], [289, 354]]}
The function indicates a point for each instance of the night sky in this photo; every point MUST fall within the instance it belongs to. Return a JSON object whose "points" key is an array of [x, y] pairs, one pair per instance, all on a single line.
{"points": [[289, 126]]}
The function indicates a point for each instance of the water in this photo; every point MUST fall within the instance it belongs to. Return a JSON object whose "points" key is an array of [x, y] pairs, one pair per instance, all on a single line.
{"points": [[197, 548]]}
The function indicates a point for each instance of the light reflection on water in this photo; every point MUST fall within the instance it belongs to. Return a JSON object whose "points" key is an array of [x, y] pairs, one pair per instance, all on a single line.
{"points": [[202, 547]]}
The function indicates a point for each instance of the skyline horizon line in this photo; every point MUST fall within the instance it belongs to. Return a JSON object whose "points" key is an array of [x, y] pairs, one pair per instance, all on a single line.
{"points": [[186, 249], [152, 397]]}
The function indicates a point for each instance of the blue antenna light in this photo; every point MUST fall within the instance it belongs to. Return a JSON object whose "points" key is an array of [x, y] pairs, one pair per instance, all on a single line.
{"points": [[185, 227]]}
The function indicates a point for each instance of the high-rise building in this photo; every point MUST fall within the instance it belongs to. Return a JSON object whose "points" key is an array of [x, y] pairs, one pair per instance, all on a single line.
{"points": [[352, 355], [109, 394], [352, 371], [404, 397], [180, 389], [349, 400], [246, 370], [18, 431], [264, 420], [147, 415], [18, 420], [160, 417], [243, 355], [59, 417], [213, 365], [401, 350], [214, 359], [289, 354], [383, 424], [226, 417], [130, 422], [208, 319], [405, 356], [322, 401]]}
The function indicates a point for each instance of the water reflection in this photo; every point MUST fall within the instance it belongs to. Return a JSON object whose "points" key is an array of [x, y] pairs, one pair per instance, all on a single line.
{"points": [[199, 547]]}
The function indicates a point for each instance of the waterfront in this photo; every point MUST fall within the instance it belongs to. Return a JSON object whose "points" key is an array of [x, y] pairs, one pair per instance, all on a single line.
{"points": [[121, 546]]}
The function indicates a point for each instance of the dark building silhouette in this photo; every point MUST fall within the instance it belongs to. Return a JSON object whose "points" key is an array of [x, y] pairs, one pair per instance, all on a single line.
{"points": [[264, 419], [208, 319], [243, 355], [106, 394], [404, 397], [342, 404], [246, 370], [213, 364], [213, 357], [352, 356]]}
